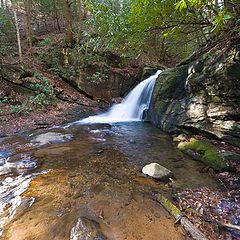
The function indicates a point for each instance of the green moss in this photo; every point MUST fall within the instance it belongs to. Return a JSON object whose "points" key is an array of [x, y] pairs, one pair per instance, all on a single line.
{"points": [[159, 106], [169, 206], [210, 155]]}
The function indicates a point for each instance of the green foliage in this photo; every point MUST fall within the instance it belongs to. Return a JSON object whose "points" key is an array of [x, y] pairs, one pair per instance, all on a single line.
{"points": [[109, 25], [21, 108], [98, 77], [43, 96], [128, 26], [210, 155], [45, 42], [6, 32], [44, 93]]}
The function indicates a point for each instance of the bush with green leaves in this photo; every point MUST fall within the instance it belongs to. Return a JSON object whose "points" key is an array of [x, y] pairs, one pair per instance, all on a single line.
{"points": [[43, 96], [6, 32], [44, 92], [98, 77], [45, 42]]}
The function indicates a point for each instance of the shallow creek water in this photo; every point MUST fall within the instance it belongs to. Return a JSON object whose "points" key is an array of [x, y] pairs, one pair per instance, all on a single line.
{"points": [[52, 178]]}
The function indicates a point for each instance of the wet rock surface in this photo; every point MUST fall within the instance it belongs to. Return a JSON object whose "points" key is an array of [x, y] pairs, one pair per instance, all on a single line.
{"points": [[200, 97], [86, 229]]}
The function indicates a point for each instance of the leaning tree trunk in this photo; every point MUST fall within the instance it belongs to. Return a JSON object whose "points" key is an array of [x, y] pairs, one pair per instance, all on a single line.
{"points": [[18, 34], [28, 7]]}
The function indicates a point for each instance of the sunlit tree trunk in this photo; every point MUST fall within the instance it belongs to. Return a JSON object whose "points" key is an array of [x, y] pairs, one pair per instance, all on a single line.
{"points": [[69, 22], [18, 32], [2, 4], [28, 7]]}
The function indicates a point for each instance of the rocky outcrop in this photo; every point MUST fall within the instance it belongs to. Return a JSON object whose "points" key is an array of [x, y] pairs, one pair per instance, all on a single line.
{"points": [[105, 82], [202, 96], [102, 76]]}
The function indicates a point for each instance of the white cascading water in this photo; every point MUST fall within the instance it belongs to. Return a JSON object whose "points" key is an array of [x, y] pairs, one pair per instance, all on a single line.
{"points": [[132, 107]]}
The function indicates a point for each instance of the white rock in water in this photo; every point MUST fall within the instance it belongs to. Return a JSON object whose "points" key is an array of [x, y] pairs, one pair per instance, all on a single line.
{"points": [[157, 171]]}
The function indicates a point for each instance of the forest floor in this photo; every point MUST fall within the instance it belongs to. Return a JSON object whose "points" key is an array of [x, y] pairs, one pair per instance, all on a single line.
{"points": [[71, 105]]}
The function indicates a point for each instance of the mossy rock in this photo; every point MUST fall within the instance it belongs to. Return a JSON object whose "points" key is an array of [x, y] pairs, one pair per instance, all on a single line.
{"points": [[231, 156], [209, 154]]}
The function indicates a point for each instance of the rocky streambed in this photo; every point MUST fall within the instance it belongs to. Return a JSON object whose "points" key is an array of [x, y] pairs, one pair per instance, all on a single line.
{"points": [[85, 182]]}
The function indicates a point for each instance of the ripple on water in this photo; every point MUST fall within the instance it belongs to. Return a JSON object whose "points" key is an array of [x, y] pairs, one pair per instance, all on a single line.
{"points": [[11, 189], [6, 166]]}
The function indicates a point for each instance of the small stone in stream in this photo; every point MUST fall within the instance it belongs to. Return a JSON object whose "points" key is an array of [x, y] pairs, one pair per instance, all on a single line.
{"points": [[157, 171], [86, 229], [132, 141], [72, 175], [99, 151], [180, 138], [179, 165], [78, 195]]}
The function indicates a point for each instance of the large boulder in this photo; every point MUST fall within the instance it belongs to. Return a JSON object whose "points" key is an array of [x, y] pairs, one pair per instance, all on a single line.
{"points": [[201, 97]]}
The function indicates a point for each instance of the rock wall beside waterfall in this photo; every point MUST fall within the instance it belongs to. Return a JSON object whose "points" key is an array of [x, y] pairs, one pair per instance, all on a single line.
{"points": [[104, 76], [200, 96]]}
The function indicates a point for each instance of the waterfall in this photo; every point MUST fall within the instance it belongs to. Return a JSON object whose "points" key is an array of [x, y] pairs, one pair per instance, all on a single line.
{"points": [[132, 107]]}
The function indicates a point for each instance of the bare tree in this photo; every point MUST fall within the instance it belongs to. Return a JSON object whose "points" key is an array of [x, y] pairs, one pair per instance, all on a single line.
{"points": [[15, 6], [28, 7]]}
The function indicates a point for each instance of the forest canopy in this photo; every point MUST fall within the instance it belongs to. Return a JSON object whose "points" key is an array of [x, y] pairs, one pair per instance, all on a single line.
{"points": [[165, 28]]}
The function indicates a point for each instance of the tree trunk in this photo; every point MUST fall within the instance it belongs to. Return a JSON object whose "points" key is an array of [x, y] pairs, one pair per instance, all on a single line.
{"points": [[79, 20], [28, 6], [56, 15], [184, 221], [69, 27], [2, 4], [228, 5], [45, 22], [18, 34]]}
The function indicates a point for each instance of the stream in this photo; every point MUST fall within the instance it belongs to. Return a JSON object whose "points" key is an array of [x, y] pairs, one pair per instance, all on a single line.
{"points": [[83, 180], [52, 178]]}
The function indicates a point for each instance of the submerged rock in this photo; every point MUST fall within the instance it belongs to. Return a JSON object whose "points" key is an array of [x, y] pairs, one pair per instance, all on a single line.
{"points": [[51, 137], [157, 171], [86, 229]]}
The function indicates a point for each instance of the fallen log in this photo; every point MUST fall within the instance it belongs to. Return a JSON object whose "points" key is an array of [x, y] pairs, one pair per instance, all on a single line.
{"points": [[231, 226], [195, 233]]}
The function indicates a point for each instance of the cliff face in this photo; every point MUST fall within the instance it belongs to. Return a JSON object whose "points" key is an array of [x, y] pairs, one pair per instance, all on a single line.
{"points": [[201, 96]]}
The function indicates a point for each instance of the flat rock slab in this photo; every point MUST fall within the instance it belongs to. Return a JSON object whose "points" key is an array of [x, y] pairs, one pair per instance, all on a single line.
{"points": [[157, 171]]}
